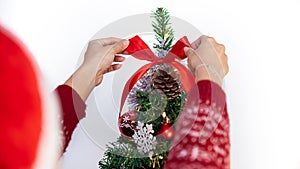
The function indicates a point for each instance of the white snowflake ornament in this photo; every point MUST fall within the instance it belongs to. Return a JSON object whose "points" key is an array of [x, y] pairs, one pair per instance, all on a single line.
{"points": [[144, 138]]}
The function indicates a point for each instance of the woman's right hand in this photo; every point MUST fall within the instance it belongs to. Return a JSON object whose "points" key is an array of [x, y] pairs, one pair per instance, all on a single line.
{"points": [[207, 59], [98, 60]]}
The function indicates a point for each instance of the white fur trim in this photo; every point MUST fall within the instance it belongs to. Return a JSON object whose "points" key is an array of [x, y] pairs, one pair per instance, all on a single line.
{"points": [[50, 144]]}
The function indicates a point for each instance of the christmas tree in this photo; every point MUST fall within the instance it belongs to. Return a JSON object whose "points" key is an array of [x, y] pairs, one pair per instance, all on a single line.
{"points": [[155, 102]]}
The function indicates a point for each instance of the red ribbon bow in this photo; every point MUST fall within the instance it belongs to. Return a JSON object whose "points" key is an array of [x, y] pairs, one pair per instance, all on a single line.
{"points": [[140, 50]]}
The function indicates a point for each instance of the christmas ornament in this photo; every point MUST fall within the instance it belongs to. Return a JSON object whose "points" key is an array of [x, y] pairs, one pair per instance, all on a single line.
{"points": [[166, 83], [144, 138], [166, 130], [127, 124]]}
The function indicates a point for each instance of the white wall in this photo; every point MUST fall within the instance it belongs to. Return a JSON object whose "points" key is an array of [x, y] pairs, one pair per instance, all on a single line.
{"points": [[262, 87]]}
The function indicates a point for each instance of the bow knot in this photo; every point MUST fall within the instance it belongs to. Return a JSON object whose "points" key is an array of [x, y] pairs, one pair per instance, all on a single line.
{"points": [[140, 50]]}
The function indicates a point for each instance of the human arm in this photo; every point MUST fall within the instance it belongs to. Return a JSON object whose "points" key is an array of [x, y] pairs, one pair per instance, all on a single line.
{"points": [[98, 60], [202, 131], [72, 111]]}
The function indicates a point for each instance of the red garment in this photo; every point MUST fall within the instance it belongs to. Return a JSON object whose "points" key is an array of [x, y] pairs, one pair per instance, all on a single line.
{"points": [[73, 110], [202, 133], [21, 105]]}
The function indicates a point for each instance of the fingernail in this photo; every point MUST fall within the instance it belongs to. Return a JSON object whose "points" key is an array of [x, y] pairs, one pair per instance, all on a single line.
{"points": [[186, 49], [125, 42]]}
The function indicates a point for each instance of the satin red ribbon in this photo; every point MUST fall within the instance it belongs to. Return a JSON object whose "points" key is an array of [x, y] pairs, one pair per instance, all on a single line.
{"points": [[140, 50]]}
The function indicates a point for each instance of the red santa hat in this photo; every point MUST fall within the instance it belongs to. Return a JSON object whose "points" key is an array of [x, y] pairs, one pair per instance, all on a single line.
{"points": [[28, 116]]}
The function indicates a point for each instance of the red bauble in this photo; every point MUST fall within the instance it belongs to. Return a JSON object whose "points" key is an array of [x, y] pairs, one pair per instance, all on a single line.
{"points": [[166, 130], [127, 123]]}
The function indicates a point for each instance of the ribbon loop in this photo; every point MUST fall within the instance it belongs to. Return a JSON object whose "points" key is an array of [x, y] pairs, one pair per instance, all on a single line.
{"points": [[178, 49], [139, 49]]}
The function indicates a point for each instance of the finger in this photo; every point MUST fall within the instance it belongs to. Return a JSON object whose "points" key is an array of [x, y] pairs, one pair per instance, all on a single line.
{"points": [[119, 59], [189, 51], [120, 46], [217, 45], [113, 68], [116, 67], [221, 48], [197, 42], [108, 41], [211, 39]]}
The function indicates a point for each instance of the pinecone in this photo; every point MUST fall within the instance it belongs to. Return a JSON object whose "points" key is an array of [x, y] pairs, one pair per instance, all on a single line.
{"points": [[166, 83]]}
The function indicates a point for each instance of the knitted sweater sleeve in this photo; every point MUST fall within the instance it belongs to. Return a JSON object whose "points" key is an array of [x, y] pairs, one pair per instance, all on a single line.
{"points": [[73, 110], [202, 132]]}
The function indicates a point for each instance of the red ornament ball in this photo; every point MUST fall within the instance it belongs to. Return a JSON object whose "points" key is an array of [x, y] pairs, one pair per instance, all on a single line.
{"points": [[166, 130], [127, 124]]}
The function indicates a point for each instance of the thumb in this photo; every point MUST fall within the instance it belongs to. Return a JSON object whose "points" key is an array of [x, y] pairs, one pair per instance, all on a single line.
{"points": [[120, 46], [189, 52]]}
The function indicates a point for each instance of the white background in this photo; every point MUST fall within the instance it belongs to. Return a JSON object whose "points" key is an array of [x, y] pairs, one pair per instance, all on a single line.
{"points": [[262, 41]]}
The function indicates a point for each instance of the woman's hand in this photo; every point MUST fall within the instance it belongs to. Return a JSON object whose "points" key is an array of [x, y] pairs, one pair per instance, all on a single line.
{"points": [[207, 60], [98, 60], [100, 55]]}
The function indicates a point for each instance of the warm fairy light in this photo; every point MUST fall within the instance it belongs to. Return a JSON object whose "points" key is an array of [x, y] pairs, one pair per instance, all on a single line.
{"points": [[164, 114], [169, 133], [167, 35], [168, 120]]}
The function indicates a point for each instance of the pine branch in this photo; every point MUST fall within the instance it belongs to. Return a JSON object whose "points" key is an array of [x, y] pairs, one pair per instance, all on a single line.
{"points": [[119, 156], [164, 34]]}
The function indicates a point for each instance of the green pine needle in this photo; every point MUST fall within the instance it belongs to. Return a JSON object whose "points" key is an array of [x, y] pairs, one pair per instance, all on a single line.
{"points": [[164, 33]]}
